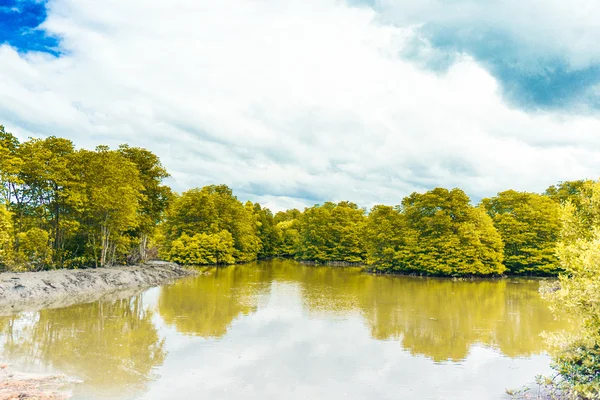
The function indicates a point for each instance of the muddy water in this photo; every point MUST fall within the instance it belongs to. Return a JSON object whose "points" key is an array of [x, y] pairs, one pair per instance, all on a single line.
{"points": [[278, 329]]}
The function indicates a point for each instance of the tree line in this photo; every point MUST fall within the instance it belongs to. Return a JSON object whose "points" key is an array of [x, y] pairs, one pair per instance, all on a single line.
{"points": [[69, 208], [434, 233]]}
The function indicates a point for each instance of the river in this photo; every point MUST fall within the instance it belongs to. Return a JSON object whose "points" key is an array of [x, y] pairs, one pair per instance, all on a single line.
{"points": [[279, 329]]}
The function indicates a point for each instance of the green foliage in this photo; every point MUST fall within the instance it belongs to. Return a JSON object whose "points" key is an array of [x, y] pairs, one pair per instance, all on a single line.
{"points": [[34, 251], [529, 224], [570, 191], [286, 226], [47, 188], [440, 233], [202, 249], [288, 215], [578, 364], [289, 238], [98, 208], [211, 210], [332, 232], [10, 165], [153, 200], [111, 197], [578, 292], [267, 231], [387, 238], [6, 238]]}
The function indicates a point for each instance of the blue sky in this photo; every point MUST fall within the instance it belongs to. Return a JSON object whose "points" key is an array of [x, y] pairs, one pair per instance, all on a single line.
{"points": [[294, 102], [20, 20]]}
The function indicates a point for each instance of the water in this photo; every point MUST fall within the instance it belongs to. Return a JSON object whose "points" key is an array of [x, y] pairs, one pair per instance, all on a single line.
{"points": [[279, 329]]}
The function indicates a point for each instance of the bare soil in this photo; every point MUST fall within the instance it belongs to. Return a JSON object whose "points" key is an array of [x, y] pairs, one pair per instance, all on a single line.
{"points": [[30, 291], [15, 385]]}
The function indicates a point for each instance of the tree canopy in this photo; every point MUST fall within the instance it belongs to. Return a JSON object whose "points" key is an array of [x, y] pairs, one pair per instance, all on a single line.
{"points": [[332, 232], [446, 235], [68, 207], [529, 225], [214, 212], [74, 208]]}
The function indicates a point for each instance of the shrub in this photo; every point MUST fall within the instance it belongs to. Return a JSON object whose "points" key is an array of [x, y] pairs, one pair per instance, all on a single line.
{"points": [[202, 249], [34, 252]]}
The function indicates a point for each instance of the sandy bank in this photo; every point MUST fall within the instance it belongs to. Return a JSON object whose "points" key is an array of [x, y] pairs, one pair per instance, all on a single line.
{"points": [[30, 291], [16, 385]]}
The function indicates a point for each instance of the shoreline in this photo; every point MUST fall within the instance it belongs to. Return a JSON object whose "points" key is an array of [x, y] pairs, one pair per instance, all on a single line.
{"points": [[18, 385], [32, 291], [371, 269]]}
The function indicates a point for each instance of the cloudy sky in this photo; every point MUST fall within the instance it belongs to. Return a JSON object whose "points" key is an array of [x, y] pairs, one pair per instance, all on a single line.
{"points": [[294, 102]]}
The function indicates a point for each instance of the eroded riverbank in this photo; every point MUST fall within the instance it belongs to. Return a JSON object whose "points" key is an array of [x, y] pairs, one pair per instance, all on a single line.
{"points": [[31, 291]]}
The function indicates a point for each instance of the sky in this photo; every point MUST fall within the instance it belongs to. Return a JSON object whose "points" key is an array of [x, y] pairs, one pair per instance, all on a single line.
{"points": [[296, 102]]}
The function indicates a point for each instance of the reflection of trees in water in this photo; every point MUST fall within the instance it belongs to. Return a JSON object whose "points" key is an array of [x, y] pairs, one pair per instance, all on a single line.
{"points": [[206, 305], [115, 344], [105, 343], [8, 326], [438, 318], [324, 290]]}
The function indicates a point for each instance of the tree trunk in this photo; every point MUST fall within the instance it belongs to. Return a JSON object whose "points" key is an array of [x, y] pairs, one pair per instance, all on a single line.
{"points": [[104, 251], [56, 225], [95, 251], [143, 247]]}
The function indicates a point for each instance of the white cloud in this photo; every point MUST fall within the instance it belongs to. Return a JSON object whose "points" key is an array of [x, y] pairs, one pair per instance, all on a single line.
{"points": [[289, 102], [539, 28]]}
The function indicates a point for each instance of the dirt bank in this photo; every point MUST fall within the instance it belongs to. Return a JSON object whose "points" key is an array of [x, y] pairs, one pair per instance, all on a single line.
{"points": [[16, 385], [30, 291]]}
